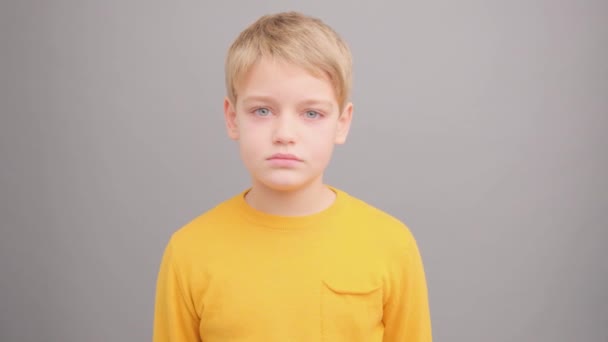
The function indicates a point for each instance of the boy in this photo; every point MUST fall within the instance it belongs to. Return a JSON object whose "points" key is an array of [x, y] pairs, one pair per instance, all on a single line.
{"points": [[290, 258]]}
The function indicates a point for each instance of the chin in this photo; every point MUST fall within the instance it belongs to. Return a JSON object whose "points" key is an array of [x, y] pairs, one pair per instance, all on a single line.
{"points": [[284, 184]]}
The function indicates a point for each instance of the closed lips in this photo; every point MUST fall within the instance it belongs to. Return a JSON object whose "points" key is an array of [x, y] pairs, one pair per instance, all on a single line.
{"points": [[284, 156]]}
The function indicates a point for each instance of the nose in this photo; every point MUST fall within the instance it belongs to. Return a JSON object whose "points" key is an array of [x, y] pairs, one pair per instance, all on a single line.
{"points": [[284, 130]]}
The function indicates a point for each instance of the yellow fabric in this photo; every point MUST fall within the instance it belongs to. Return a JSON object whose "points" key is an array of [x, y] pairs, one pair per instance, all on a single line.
{"points": [[350, 273]]}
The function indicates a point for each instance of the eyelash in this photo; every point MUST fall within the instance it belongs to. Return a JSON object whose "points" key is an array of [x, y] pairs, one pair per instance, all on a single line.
{"points": [[255, 111], [318, 113]]}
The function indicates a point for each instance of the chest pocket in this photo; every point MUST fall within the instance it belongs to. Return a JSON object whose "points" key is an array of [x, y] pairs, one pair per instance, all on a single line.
{"points": [[351, 307]]}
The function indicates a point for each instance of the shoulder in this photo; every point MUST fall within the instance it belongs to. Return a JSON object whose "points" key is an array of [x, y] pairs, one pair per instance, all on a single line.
{"points": [[204, 228], [378, 225]]}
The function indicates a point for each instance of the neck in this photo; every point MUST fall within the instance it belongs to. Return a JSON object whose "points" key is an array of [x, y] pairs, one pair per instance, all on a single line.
{"points": [[307, 200]]}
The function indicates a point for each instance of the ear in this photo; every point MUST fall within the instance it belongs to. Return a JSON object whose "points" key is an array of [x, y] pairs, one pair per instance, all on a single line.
{"points": [[231, 122], [344, 124]]}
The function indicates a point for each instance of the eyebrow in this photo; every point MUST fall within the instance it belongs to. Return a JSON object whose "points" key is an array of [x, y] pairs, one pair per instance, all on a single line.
{"points": [[309, 102]]}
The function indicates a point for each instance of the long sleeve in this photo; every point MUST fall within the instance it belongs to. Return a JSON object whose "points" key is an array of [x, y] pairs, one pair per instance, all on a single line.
{"points": [[175, 317], [406, 312]]}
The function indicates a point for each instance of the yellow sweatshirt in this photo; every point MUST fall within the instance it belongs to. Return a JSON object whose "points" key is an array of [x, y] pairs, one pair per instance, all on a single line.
{"points": [[349, 273]]}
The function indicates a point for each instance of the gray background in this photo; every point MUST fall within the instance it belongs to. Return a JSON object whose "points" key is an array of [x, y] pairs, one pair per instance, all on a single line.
{"points": [[480, 124]]}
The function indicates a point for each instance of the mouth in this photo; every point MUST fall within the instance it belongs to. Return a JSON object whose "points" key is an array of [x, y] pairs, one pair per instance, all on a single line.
{"points": [[283, 156]]}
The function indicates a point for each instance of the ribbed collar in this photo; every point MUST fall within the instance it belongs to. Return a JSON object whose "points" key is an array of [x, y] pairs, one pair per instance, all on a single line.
{"points": [[291, 222]]}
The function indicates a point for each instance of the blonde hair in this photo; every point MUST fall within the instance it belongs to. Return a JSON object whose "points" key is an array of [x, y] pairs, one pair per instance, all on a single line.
{"points": [[294, 38]]}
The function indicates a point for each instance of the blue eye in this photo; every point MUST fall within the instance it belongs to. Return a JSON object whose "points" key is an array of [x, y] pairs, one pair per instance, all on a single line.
{"points": [[311, 114], [262, 111]]}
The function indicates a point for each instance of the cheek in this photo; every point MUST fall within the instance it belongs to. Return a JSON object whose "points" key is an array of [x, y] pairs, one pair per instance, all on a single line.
{"points": [[252, 143], [249, 131], [324, 135], [322, 143]]}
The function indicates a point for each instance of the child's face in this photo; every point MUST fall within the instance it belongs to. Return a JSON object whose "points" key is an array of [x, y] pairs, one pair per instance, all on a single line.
{"points": [[287, 123]]}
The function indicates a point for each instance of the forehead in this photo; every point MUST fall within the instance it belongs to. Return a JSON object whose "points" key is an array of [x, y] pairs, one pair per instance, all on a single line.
{"points": [[285, 81]]}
